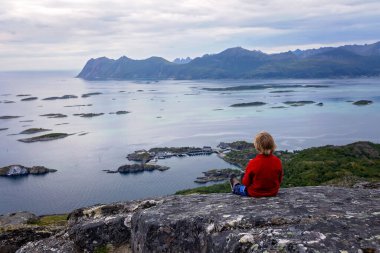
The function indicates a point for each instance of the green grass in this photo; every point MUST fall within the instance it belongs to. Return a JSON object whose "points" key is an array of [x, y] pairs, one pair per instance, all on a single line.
{"points": [[216, 188]]}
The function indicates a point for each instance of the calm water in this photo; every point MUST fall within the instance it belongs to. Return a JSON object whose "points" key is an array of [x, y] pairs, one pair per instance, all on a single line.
{"points": [[164, 113]]}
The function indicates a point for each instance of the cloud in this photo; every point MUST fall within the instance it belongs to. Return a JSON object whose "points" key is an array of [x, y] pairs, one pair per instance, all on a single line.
{"points": [[65, 33]]}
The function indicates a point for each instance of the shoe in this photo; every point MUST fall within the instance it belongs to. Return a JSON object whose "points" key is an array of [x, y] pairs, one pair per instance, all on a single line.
{"points": [[233, 181]]}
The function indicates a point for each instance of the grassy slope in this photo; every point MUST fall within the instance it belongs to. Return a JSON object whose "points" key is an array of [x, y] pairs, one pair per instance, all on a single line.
{"points": [[328, 165]]}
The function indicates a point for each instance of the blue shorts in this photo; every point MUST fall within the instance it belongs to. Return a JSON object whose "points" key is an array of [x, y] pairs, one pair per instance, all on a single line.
{"points": [[240, 189]]}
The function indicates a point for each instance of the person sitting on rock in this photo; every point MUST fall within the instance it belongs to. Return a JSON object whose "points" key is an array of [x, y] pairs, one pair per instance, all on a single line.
{"points": [[263, 174]]}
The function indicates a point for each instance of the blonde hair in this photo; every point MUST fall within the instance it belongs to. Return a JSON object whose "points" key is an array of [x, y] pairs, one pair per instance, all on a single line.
{"points": [[264, 143]]}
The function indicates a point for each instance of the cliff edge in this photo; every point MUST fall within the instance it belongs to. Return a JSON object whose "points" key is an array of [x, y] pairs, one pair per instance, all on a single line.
{"points": [[300, 219]]}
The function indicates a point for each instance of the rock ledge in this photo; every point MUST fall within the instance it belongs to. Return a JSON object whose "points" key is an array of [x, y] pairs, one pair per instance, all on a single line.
{"points": [[300, 219]]}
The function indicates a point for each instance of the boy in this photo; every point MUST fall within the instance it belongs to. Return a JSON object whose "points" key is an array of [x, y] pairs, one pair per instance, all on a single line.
{"points": [[263, 174]]}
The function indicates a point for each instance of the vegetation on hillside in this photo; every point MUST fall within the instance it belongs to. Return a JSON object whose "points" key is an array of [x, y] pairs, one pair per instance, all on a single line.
{"points": [[343, 165]]}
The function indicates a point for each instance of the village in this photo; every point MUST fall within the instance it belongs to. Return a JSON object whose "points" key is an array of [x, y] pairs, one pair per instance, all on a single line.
{"points": [[153, 155]]}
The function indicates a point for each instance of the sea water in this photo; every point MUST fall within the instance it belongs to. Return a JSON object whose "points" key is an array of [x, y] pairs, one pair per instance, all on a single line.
{"points": [[163, 113]]}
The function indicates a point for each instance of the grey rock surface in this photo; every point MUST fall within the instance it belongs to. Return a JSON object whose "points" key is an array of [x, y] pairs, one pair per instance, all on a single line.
{"points": [[58, 243], [15, 231], [301, 219], [16, 218]]}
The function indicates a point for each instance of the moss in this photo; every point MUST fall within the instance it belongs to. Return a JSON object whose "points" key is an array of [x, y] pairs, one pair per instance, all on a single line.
{"points": [[101, 249], [51, 220]]}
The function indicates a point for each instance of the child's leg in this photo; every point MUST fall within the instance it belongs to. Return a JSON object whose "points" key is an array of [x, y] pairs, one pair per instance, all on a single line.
{"points": [[240, 189], [236, 187]]}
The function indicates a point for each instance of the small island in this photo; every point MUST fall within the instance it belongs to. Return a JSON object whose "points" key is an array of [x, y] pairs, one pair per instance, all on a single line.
{"points": [[362, 102], [9, 117], [87, 115], [29, 99], [248, 104], [34, 130], [137, 168], [86, 95], [281, 91], [120, 112], [299, 103], [54, 115], [62, 97], [19, 170], [77, 105], [45, 137]]}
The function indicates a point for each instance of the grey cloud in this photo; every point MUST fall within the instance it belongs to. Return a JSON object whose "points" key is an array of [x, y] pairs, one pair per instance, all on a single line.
{"points": [[77, 30]]}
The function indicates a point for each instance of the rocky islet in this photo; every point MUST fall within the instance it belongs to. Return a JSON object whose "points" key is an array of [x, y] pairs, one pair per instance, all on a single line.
{"points": [[20, 170]]}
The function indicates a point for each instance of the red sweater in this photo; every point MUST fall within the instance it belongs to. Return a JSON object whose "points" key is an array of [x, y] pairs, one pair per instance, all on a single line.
{"points": [[263, 176]]}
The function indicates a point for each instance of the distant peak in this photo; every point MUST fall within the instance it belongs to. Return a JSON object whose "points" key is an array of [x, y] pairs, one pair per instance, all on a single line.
{"points": [[156, 58], [182, 60], [124, 58], [239, 51], [236, 49]]}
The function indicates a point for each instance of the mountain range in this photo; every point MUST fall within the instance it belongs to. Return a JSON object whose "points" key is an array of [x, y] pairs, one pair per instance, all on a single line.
{"points": [[240, 63]]}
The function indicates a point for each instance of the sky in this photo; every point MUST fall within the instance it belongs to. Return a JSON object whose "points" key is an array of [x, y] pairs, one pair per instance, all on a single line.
{"points": [[64, 34]]}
